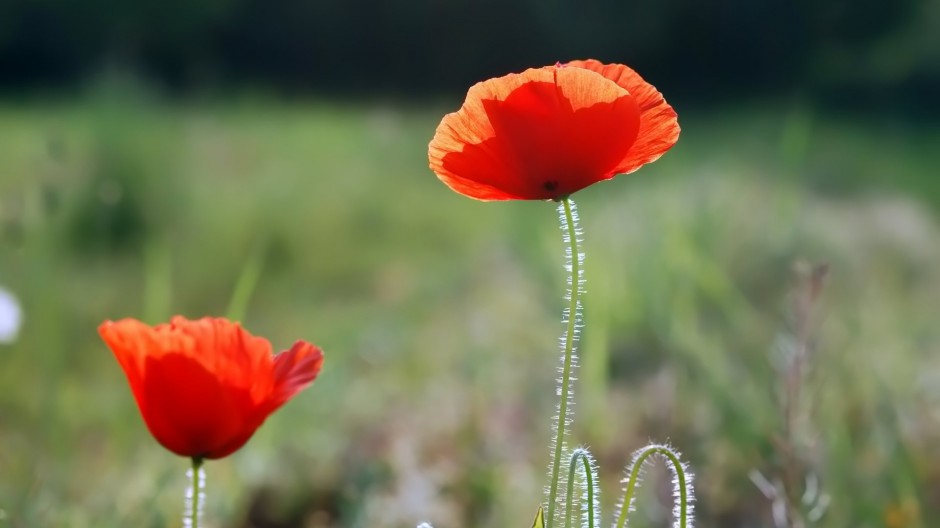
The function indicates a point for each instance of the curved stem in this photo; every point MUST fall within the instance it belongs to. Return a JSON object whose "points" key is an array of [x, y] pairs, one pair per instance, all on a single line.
{"points": [[585, 458], [574, 277], [683, 486]]}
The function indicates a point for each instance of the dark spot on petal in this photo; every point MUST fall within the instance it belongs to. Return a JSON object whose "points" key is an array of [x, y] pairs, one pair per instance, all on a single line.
{"points": [[550, 185]]}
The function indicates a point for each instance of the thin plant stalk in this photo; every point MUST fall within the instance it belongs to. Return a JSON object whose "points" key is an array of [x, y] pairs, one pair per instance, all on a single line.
{"points": [[568, 216], [195, 497]]}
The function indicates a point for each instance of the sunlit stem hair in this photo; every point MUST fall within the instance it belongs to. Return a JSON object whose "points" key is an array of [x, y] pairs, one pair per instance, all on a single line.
{"points": [[581, 469], [195, 498], [571, 318], [683, 495]]}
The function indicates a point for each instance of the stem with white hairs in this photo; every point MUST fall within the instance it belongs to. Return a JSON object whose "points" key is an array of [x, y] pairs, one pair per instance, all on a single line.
{"points": [[568, 215], [195, 495], [590, 505], [683, 494]]}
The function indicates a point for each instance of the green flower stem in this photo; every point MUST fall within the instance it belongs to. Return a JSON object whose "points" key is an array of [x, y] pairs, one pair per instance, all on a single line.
{"points": [[582, 455], [194, 496], [680, 482], [575, 277]]}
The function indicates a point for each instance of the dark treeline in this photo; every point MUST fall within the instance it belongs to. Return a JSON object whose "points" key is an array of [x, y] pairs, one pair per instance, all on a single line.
{"points": [[711, 49]]}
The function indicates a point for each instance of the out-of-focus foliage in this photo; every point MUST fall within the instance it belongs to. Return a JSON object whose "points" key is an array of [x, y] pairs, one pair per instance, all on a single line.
{"points": [[854, 50]]}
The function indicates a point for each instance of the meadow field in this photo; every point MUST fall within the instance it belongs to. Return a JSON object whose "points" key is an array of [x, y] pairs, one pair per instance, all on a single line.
{"points": [[765, 297]]}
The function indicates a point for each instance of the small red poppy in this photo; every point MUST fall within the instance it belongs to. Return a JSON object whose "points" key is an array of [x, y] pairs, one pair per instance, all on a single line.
{"points": [[203, 387], [546, 133]]}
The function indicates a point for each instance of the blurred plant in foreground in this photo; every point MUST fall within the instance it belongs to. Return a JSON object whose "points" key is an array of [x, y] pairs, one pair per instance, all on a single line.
{"points": [[795, 493]]}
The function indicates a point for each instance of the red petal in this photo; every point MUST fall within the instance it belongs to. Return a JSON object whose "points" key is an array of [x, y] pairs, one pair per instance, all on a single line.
{"points": [[228, 351], [132, 342], [193, 412], [294, 370], [541, 134], [203, 387], [659, 127]]}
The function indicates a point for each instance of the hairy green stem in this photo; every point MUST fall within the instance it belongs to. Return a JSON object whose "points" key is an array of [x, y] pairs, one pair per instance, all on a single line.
{"points": [[582, 455], [574, 277], [682, 512], [195, 495]]}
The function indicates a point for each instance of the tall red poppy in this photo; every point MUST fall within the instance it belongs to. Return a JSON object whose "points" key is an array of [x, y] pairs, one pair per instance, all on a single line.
{"points": [[203, 387], [546, 133]]}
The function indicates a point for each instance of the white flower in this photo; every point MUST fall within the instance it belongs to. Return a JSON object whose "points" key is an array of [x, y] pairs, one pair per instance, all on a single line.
{"points": [[11, 317]]}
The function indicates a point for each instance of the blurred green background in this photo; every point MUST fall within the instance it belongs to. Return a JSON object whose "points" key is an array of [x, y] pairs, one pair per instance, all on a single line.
{"points": [[268, 160]]}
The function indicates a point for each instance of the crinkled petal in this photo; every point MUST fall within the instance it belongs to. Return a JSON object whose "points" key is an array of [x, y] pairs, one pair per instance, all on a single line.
{"points": [[227, 350], [203, 387], [659, 126], [294, 370], [542, 134]]}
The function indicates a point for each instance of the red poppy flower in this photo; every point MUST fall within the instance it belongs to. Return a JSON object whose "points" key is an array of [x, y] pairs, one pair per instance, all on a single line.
{"points": [[548, 132], [203, 387]]}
